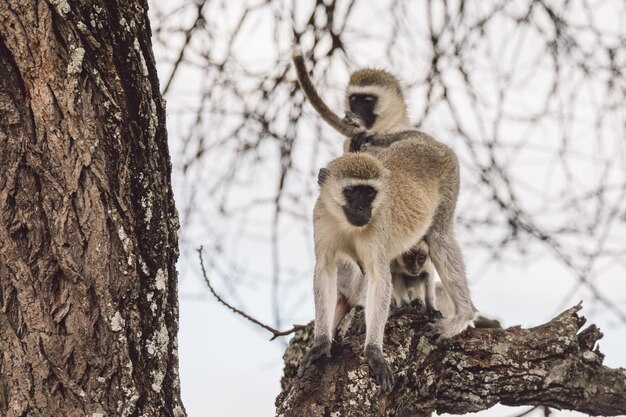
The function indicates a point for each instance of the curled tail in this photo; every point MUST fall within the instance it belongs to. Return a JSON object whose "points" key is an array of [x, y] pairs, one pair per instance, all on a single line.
{"points": [[316, 101]]}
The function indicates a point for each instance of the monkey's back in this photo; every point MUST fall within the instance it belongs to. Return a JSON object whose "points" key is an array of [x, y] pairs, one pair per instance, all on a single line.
{"points": [[417, 165]]}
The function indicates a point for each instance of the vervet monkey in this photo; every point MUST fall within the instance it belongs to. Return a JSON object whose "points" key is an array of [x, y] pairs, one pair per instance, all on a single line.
{"points": [[374, 104], [413, 279], [369, 212], [444, 250]]}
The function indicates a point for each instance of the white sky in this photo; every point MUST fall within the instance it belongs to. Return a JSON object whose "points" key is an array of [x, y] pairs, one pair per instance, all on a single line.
{"points": [[229, 368]]}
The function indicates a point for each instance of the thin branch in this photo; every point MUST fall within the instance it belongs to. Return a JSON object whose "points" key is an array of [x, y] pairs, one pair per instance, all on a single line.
{"points": [[275, 333]]}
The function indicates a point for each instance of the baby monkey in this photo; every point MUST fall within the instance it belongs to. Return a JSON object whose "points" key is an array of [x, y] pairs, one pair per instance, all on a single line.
{"points": [[412, 277], [413, 280]]}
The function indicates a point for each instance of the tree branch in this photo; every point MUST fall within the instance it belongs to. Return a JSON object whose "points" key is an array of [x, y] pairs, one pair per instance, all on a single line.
{"points": [[550, 365], [275, 333]]}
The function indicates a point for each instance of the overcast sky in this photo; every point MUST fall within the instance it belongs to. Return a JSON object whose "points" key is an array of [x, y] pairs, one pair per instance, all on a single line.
{"points": [[228, 367]]}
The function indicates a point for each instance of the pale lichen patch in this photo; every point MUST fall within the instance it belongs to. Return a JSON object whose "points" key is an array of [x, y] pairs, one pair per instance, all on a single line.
{"points": [[144, 267], [157, 345], [61, 6], [556, 374], [75, 64], [157, 381], [127, 244], [146, 204], [117, 322], [160, 280], [144, 67]]}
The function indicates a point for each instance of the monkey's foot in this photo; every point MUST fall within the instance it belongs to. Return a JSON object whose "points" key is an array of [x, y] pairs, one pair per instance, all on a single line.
{"points": [[397, 311], [319, 349], [447, 327], [433, 313], [379, 367], [419, 305]]}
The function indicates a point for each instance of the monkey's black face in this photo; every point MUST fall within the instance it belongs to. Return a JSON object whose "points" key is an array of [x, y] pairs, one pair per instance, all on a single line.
{"points": [[363, 105], [414, 261], [411, 280], [358, 208]]}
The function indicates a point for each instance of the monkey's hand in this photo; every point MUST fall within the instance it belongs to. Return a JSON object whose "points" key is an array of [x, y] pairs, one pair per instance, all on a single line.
{"points": [[379, 367], [419, 305], [353, 119], [319, 349], [360, 141]]}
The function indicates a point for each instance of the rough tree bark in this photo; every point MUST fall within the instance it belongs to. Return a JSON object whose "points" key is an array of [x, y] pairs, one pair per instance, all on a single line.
{"points": [[552, 365], [88, 299]]}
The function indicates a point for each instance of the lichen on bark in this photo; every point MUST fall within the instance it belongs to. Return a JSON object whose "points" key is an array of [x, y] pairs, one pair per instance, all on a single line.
{"points": [[87, 217], [554, 365]]}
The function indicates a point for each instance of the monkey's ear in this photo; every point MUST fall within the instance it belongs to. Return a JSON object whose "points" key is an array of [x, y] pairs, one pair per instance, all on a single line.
{"points": [[322, 175]]}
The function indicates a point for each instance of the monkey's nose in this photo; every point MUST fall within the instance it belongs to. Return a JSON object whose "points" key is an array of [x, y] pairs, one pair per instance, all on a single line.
{"points": [[358, 217]]}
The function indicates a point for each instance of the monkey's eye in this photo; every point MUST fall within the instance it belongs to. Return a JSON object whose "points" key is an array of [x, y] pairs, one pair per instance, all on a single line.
{"points": [[351, 191], [369, 99], [421, 259]]}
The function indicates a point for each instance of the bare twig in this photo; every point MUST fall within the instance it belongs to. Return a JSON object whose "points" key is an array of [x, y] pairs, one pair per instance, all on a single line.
{"points": [[275, 333]]}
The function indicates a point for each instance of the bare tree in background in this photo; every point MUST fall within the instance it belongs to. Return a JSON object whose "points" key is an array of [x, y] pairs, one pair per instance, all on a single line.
{"points": [[529, 93]]}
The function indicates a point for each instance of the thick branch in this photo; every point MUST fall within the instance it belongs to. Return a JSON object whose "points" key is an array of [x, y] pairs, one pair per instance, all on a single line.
{"points": [[551, 365]]}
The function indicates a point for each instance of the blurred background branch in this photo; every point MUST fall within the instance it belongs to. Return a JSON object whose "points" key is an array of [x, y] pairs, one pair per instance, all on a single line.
{"points": [[529, 93]]}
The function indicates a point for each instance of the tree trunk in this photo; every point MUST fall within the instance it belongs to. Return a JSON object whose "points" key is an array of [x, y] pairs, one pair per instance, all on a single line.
{"points": [[88, 299], [551, 365]]}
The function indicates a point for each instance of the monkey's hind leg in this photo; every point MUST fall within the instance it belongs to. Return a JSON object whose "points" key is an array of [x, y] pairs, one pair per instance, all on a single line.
{"points": [[448, 260], [430, 293], [325, 295], [376, 311], [400, 291]]}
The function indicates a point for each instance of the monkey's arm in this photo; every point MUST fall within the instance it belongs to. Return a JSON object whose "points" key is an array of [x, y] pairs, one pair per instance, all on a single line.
{"points": [[378, 298], [554, 365], [386, 140], [325, 296], [318, 104]]}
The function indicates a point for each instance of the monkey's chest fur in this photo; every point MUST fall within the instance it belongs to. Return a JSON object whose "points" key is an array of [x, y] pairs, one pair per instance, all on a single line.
{"points": [[386, 236]]}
